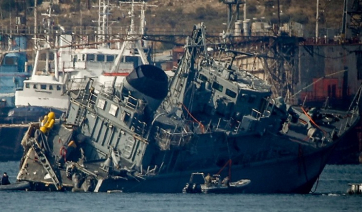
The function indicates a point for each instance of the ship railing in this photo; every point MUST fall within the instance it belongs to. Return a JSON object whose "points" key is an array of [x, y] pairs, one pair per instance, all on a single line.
{"points": [[92, 100], [131, 102], [347, 124], [226, 124], [256, 114], [166, 139], [163, 138], [138, 126], [76, 84], [236, 130]]}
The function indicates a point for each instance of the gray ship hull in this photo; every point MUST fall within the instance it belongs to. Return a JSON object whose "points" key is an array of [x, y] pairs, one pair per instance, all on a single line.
{"points": [[293, 171], [293, 174]]}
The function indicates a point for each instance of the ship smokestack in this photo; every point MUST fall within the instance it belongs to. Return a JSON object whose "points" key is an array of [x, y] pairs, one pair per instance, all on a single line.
{"points": [[149, 83]]}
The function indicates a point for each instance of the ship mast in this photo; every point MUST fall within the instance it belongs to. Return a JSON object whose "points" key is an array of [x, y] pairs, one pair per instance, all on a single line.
{"points": [[185, 72], [103, 11], [132, 40], [45, 45]]}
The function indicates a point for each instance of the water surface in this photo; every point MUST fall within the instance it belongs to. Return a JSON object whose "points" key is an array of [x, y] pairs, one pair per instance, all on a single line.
{"points": [[329, 195]]}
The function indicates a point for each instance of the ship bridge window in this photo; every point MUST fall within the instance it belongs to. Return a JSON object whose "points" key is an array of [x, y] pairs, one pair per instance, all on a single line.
{"points": [[43, 87], [27, 85], [217, 86], [101, 103], [50, 87], [110, 58], [100, 57], [113, 110], [59, 88], [35, 86], [90, 57], [11, 61], [230, 93], [202, 77]]}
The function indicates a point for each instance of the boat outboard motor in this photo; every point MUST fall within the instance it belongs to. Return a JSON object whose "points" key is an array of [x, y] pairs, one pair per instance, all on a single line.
{"points": [[149, 83]]}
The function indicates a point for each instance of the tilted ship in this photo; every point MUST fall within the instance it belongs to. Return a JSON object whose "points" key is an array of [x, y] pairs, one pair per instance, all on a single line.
{"points": [[149, 134]]}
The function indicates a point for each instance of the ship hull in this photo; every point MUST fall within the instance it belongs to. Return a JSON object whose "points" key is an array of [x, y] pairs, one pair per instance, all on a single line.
{"points": [[289, 175], [292, 172]]}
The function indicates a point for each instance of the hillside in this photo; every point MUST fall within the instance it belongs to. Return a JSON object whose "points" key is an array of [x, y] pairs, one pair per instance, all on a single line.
{"points": [[180, 15]]}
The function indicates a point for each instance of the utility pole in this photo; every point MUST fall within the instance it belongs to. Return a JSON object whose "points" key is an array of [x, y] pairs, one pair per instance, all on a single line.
{"points": [[316, 22], [35, 20], [245, 10], [278, 16]]}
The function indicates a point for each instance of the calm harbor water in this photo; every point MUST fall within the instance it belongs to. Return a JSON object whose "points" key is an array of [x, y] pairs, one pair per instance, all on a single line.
{"points": [[330, 195]]}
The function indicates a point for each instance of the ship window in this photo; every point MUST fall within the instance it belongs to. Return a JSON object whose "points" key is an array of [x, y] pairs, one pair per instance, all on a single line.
{"points": [[217, 86], [43, 87], [11, 61], [90, 57], [50, 87], [59, 88], [35, 86], [230, 93], [100, 57], [202, 77], [132, 59], [113, 110], [110, 58], [101, 103], [27, 85]]}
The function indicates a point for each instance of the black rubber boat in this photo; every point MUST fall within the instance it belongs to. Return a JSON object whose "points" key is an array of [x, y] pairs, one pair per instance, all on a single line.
{"points": [[22, 185]]}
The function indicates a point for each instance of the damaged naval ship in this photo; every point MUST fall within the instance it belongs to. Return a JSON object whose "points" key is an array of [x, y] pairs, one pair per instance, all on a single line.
{"points": [[149, 134]]}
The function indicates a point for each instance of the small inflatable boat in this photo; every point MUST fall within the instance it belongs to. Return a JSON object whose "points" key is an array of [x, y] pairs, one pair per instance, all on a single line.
{"points": [[21, 185]]}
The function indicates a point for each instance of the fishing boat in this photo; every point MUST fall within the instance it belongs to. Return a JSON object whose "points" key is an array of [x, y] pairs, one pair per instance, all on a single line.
{"points": [[149, 132]]}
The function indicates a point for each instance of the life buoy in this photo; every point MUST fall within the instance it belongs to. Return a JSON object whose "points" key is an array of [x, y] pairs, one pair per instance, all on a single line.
{"points": [[48, 122]]}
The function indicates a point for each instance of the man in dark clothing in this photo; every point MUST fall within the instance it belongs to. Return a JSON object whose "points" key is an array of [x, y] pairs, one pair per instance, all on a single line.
{"points": [[5, 179]]}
